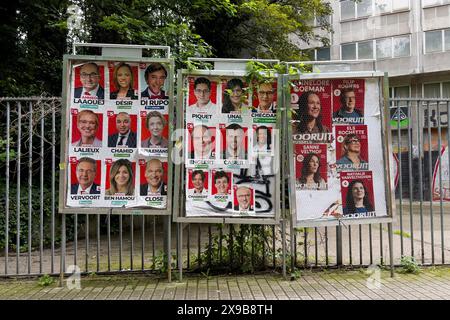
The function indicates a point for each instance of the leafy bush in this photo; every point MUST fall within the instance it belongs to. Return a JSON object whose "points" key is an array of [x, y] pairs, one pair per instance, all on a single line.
{"points": [[409, 265]]}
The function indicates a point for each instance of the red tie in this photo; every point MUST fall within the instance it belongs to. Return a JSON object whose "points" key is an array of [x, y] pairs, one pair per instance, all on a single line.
{"points": [[87, 93]]}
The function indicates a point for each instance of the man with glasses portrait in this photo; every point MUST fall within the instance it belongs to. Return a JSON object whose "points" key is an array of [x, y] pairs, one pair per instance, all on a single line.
{"points": [[85, 172], [265, 92], [202, 92], [90, 78]]}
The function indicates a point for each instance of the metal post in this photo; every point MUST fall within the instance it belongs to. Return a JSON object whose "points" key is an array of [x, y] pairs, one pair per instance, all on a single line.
{"points": [[41, 215], [430, 184], [339, 244], [169, 251], [7, 188], [62, 267], [180, 251], [391, 249], [283, 245], [19, 152], [53, 185], [30, 177]]}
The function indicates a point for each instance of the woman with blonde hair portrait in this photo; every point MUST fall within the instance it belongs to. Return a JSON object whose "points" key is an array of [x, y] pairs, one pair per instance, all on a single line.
{"points": [[124, 82], [121, 178]]}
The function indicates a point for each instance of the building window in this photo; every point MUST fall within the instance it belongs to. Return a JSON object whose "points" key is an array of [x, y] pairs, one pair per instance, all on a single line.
{"points": [[446, 90], [437, 41], [399, 92], [348, 9], [432, 90], [384, 48], [401, 46], [365, 50], [348, 51], [366, 8], [323, 54], [428, 3]]}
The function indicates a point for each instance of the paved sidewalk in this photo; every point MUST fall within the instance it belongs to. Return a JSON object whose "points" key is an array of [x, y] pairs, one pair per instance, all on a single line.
{"points": [[431, 283]]}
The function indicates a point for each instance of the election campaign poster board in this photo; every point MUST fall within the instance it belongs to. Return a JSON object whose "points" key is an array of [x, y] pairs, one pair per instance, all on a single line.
{"points": [[338, 147], [116, 125], [229, 169]]}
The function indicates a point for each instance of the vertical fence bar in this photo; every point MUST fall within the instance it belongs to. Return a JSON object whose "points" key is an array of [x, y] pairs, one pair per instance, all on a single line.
{"points": [[86, 242], [8, 120], [209, 246], [441, 209], [294, 246], [305, 236], [316, 247], [154, 242], [75, 238], [448, 152], [326, 246], [108, 226], [41, 215], [220, 243], [399, 152], [98, 242], [430, 183], [120, 241], [350, 245], [230, 246], [143, 244], [188, 244], [19, 151], [360, 245], [253, 247], [274, 250], [199, 246], [264, 238], [53, 186], [381, 245], [132, 241], [30, 183], [370, 244], [339, 244], [410, 180], [420, 168]]}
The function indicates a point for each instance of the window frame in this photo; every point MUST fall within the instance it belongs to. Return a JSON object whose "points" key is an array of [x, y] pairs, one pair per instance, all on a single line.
{"points": [[443, 48], [374, 48], [374, 11]]}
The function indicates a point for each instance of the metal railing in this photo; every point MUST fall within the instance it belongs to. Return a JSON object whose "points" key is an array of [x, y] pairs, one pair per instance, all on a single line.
{"points": [[30, 226]]}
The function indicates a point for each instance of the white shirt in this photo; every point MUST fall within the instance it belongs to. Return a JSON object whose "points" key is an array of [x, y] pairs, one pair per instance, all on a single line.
{"points": [[192, 192], [209, 108], [85, 191], [92, 92]]}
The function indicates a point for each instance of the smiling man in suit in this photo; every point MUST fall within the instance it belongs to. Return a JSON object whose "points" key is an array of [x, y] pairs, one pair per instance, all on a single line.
{"points": [[90, 78], [86, 171], [125, 138]]}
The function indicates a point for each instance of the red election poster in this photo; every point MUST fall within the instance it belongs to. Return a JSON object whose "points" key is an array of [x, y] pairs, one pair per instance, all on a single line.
{"points": [[221, 182], [351, 147], [234, 140], [120, 177], [153, 177], [357, 194], [235, 96], [123, 80], [244, 201], [154, 129], [87, 128], [122, 124], [197, 183], [311, 103], [264, 97], [201, 141], [348, 101], [262, 138], [202, 95], [311, 166], [85, 175], [89, 81]]}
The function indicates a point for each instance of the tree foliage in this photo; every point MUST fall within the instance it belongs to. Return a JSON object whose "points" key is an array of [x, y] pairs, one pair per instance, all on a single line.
{"points": [[36, 34]]}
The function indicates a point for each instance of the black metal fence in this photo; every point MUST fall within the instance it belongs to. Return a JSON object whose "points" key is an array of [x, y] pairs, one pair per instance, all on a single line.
{"points": [[30, 226]]}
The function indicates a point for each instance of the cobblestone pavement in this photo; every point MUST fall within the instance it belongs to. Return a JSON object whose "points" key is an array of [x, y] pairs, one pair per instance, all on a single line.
{"points": [[430, 283]]}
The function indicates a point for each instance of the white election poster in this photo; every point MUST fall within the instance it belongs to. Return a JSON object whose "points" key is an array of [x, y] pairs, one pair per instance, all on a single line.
{"points": [[337, 150], [117, 134], [231, 147]]}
